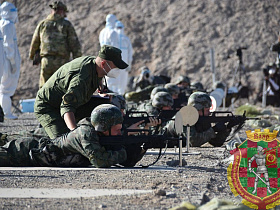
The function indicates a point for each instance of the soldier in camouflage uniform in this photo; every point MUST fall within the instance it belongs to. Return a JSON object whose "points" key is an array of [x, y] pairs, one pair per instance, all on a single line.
{"points": [[58, 102], [174, 90], [55, 38], [79, 147], [201, 133], [147, 104]]}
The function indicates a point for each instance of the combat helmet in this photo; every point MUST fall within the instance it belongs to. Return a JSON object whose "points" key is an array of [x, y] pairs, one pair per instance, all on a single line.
{"points": [[172, 88], [200, 100], [104, 116], [181, 79], [156, 90], [162, 99], [58, 5], [197, 86], [119, 101]]}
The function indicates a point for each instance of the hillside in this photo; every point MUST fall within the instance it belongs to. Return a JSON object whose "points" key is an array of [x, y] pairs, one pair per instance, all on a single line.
{"points": [[170, 37]]}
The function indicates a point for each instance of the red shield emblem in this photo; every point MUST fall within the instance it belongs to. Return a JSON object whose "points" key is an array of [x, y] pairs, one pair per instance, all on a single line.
{"points": [[254, 174]]}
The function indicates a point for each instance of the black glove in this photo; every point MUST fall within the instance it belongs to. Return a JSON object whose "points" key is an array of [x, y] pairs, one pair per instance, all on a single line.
{"points": [[233, 122], [134, 153], [220, 126]]}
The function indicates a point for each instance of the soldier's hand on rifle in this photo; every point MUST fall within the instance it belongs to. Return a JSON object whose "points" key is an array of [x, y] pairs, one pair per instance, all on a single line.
{"points": [[135, 126], [220, 126], [153, 122]]}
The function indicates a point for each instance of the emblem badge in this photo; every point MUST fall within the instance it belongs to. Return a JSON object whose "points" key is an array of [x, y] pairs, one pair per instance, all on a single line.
{"points": [[255, 171]]}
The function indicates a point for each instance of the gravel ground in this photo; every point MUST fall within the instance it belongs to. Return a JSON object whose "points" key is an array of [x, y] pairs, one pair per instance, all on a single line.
{"points": [[203, 177]]}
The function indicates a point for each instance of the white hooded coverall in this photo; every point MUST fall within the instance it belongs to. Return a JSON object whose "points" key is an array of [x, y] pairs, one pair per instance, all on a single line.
{"points": [[9, 80], [127, 53], [109, 36]]}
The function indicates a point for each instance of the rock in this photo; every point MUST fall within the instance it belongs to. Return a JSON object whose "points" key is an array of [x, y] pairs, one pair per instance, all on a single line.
{"points": [[171, 195], [160, 192]]}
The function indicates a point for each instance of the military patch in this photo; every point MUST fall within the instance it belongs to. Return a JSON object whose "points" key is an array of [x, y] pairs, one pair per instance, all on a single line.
{"points": [[255, 171], [69, 98]]}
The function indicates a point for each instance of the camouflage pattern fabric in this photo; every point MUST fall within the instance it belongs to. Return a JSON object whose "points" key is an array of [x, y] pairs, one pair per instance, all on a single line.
{"points": [[181, 79], [147, 106], [104, 116], [75, 83], [197, 139], [173, 89], [79, 147], [156, 90], [49, 65], [56, 38], [199, 100], [162, 99]]}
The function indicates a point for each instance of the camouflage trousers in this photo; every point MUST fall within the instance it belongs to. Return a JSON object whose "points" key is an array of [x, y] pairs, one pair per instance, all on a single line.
{"points": [[49, 65]]}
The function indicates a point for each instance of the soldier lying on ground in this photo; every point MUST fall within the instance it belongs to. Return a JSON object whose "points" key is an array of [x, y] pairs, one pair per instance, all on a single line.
{"points": [[80, 147], [202, 132]]}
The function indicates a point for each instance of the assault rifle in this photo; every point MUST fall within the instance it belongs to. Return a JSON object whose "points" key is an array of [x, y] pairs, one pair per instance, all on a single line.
{"points": [[149, 141], [231, 120], [132, 117], [134, 144]]}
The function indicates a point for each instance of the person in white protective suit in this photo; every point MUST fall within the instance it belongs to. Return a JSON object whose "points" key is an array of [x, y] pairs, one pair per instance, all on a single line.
{"points": [[127, 53], [9, 79], [108, 36], [1, 54]]}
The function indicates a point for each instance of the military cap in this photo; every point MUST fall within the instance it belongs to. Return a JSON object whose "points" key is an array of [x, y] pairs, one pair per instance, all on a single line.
{"points": [[113, 54], [58, 5]]}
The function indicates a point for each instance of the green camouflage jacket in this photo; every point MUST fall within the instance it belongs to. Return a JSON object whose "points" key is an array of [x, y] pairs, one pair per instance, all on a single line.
{"points": [[55, 36], [71, 86], [79, 147]]}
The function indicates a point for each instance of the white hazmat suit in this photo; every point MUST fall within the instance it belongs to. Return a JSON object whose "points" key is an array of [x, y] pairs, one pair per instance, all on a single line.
{"points": [[108, 36], [9, 80], [1, 54], [127, 53]]}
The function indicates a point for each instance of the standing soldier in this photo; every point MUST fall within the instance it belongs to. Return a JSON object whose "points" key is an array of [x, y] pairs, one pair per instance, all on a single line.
{"points": [[54, 39]]}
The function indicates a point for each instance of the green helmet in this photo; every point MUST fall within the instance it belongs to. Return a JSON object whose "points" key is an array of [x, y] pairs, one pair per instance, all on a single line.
{"points": [[156, 90], [119, 101], [162, 99], [181, 79], [200, 100], [58, 5], [172, 88], [104, 116]]}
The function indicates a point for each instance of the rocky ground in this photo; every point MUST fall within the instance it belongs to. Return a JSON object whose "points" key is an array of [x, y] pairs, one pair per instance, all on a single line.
{"points": [[202, 177]]}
